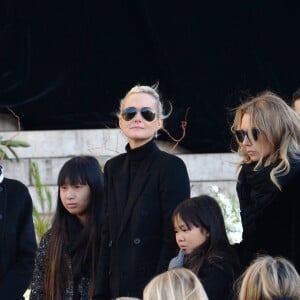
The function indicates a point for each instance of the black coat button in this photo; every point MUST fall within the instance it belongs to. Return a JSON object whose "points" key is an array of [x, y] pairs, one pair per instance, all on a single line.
{"points": [[137, 241], [1, 217], [110, 244]]}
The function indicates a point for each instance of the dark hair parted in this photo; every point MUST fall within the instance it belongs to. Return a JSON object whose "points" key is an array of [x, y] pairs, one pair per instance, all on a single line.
{"points": [[204, 212], [86, 243]]}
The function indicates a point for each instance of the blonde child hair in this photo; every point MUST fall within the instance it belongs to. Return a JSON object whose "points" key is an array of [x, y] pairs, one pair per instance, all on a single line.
{"points": [[175, 284]]}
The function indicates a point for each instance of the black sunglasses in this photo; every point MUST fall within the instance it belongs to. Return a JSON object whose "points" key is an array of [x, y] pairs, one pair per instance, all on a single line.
{"points": [[241, 134], [129, 113]]}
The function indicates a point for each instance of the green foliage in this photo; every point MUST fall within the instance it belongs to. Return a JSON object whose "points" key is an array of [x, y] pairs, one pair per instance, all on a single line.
{"points": [[41, 220], [9, 145]]}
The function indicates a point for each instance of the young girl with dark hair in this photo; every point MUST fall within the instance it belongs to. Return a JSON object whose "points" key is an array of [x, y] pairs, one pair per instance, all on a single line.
{"points": [[204, 246], [67, 256]]}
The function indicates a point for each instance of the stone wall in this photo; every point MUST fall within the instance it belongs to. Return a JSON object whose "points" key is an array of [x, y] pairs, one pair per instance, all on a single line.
{"points": [[50, 149]]}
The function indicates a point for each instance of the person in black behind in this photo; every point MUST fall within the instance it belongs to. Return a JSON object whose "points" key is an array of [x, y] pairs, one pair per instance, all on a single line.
{"points": [[267, 131], [142, 187], [17, 238]]}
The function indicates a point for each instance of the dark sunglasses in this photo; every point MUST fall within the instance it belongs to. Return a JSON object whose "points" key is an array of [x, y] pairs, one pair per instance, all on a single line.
{"points": [[241, 134], [129, 113]]}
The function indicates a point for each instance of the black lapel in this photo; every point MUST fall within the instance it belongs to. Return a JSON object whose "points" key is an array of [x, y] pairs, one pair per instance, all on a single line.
{"points": [[139, 183]]}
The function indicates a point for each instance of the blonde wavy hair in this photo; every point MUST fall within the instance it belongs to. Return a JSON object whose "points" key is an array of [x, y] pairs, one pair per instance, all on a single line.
{"points": [[281, 126], [268, 278], [175, 284]]}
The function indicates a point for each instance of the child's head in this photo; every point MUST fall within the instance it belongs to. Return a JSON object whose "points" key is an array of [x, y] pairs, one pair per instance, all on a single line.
{"points": [[80, 187], [269, 278], [197, 222], [175, 284]]}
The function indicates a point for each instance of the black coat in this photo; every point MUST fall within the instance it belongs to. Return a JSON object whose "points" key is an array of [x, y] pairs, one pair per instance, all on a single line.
{"points": [[271, 218], [138, 239], [17, 239], [217, 278]]}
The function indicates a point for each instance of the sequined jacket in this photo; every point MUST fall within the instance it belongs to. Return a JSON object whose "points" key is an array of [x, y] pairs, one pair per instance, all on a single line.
{"points": [[37, 285]]}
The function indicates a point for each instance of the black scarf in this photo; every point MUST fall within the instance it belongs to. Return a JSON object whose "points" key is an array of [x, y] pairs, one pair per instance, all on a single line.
{"points": [[256, 190]]}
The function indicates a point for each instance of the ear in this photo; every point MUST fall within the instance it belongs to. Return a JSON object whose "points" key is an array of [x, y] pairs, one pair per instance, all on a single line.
{"points": [[160, 123], [120, 122]]}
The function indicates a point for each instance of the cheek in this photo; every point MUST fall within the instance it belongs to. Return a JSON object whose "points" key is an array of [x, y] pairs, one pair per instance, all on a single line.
{"points": [[62, 194]]}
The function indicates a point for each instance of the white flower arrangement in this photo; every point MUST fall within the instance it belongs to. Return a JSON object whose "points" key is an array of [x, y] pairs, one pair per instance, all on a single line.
{"points": [[231, 213]]}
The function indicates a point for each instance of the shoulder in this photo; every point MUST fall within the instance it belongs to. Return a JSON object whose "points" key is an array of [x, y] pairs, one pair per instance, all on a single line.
{"points": [[219, 265], [171, 159], [291, 180], [17, 193], [115, 161], [13, 184]]}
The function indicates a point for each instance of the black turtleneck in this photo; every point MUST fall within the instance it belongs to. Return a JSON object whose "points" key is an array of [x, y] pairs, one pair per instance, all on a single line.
{"points": [[135, 158]]}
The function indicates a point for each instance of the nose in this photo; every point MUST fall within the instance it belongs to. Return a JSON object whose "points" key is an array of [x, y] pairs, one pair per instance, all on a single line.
{"points": [[69, 194], [179, 237], [246, 141], [138, 117]]}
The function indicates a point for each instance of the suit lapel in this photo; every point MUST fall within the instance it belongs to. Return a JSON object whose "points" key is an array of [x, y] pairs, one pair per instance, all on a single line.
{"points": [[138, 186], [120, 188]]}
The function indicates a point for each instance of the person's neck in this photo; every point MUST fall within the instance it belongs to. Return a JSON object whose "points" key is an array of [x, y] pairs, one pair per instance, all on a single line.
{"points": [[137, 144]]}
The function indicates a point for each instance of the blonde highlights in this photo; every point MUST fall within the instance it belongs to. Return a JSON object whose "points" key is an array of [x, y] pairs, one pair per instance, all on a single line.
{"points": [[175, 284], [268, 278]]}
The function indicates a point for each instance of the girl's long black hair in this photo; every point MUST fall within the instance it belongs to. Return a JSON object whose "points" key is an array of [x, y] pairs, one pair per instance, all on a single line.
{"points": [[204, 212], [82, 244]]}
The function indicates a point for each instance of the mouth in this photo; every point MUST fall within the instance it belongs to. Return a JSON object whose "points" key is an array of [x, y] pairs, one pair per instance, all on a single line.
{"points": [[71, 205], [250, 152]]}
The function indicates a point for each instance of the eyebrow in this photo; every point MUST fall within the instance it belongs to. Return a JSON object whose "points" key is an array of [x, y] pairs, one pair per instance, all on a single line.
{"points": [[181, 226]]}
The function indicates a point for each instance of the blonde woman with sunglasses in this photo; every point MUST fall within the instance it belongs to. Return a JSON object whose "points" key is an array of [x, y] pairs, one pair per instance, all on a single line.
{"points": [[142, 188], [267, 132]]}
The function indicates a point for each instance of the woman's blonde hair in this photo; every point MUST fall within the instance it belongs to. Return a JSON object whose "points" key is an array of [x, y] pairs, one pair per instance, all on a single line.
{"points": [[281, 126], [175, 284], [268, 278]]}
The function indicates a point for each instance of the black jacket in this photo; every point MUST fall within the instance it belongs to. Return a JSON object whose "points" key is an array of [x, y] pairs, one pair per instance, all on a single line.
{"points": [[217, 278], [271, 218], [17, 239], [138, 239]]}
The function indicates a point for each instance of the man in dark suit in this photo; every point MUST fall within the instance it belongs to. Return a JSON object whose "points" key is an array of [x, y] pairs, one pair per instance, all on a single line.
{"points": [[17, 239]]}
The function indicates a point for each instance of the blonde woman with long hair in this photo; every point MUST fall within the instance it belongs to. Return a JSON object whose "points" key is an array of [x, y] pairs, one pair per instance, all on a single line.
{"points": [[267, 132]]}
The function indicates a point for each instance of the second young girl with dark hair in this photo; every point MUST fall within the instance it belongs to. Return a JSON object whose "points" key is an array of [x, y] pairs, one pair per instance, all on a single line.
{"points": [[67, 255], [204, 246]]}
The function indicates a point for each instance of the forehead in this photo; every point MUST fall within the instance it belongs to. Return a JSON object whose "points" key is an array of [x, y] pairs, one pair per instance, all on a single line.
{"points": [[178, 221], [139, 100], [245, 122]]}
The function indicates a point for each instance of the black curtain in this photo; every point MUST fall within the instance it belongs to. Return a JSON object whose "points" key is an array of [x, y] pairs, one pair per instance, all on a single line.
{"points": [[66, 64]]}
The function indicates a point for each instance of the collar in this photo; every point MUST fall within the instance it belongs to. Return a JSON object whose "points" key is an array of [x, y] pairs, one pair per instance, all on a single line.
{"points": [[141, 152]]}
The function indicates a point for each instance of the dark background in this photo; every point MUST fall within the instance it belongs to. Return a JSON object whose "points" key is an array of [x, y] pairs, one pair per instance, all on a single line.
{"points": [[66, 64]]}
